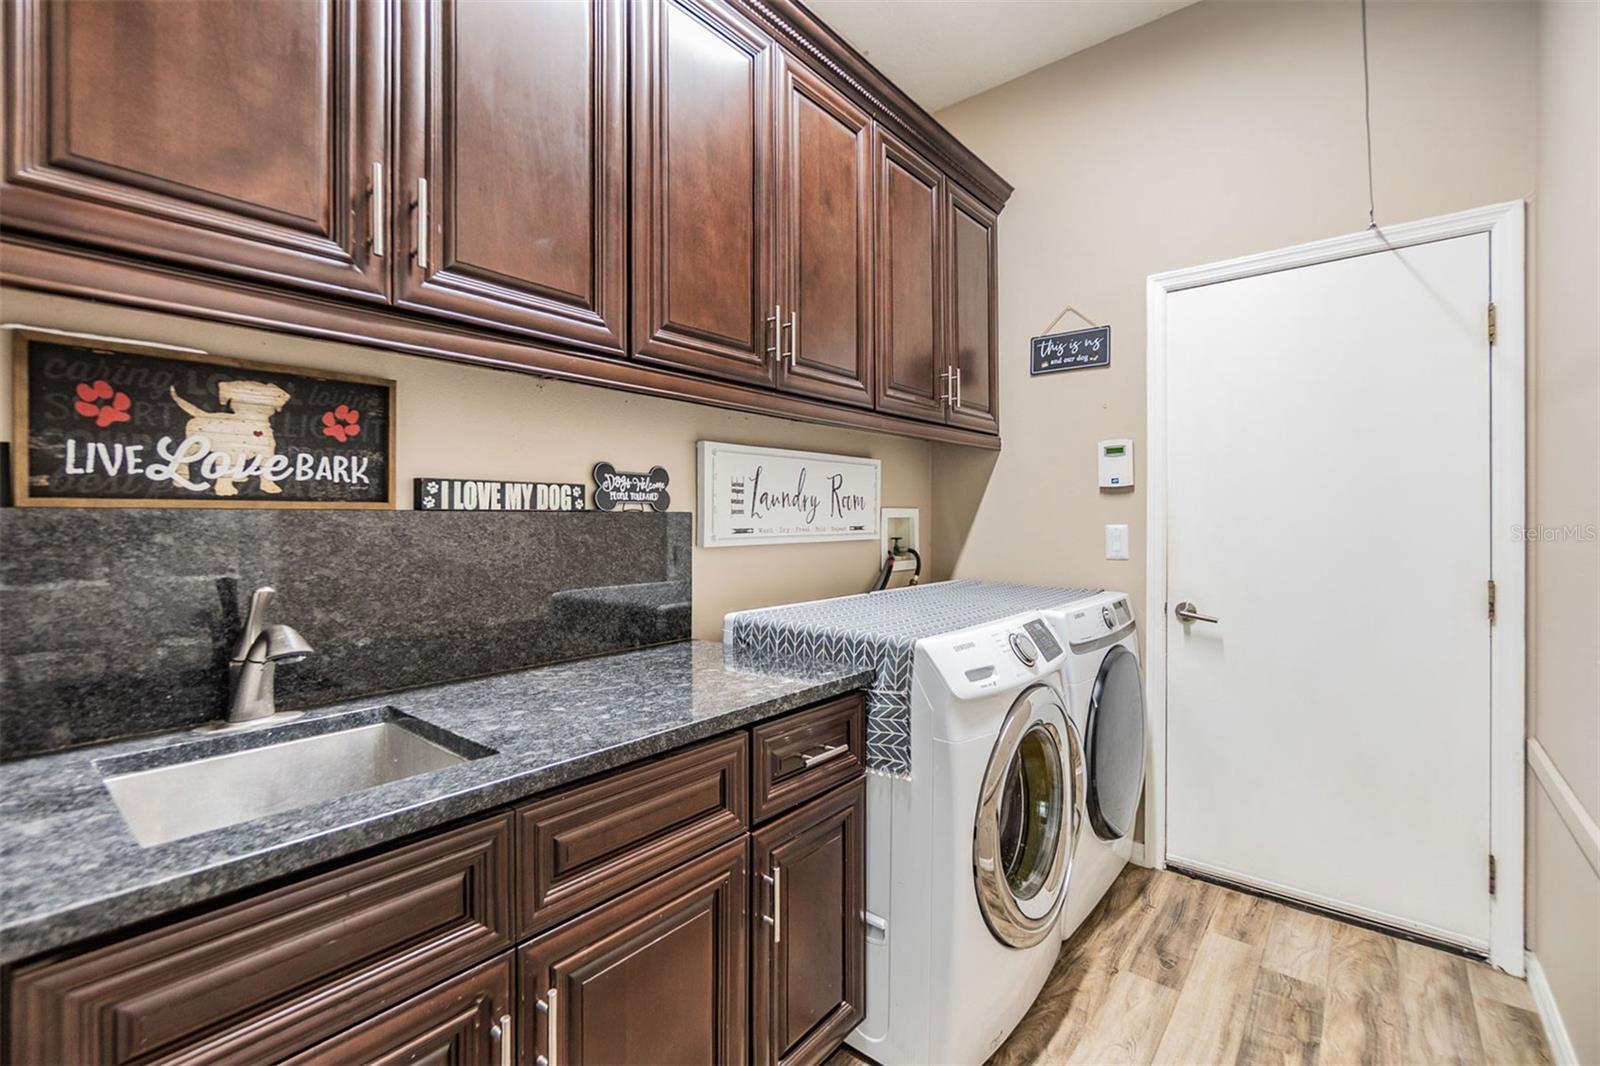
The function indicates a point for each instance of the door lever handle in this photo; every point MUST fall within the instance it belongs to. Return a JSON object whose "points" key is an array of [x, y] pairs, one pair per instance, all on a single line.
{"points": [[1185, 612]]}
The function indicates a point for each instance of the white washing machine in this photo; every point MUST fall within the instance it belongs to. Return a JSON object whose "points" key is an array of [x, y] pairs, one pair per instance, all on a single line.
{"points": [[980, 842], [1105, 697]]}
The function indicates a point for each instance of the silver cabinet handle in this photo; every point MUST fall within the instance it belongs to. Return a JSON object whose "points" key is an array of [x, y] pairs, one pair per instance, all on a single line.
{"points": [[824, 755], [775, 349], [957, 402], [948, 396], [794, 337], [422, 223], [777, 904], [1186, 612], [546, 1007], [502, 1036], [376, 199]]}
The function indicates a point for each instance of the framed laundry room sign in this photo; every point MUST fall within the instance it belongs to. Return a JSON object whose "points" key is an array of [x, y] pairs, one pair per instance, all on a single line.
{"points": [[751, 495], [109, 424]]}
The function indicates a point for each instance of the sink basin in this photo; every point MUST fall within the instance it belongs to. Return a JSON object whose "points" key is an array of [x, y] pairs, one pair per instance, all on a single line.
{"points": [[205, 792]]}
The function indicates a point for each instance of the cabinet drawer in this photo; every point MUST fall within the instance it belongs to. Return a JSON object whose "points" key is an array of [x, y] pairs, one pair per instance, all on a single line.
{"points": [[271, 975], [459, 1022], [805, 754], [582, 846]]}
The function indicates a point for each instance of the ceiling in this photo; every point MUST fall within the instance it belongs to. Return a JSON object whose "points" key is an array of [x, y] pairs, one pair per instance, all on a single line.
{"points": [[942, 51]]}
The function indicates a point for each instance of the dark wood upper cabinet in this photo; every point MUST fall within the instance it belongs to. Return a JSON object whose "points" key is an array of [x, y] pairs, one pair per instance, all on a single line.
{"points": [[656, 975], [239, 137], [824, 234], [809, 961], [513, 166], [702, 189], [973, 309], [464, 1022], [713, 200], [910, 284]]}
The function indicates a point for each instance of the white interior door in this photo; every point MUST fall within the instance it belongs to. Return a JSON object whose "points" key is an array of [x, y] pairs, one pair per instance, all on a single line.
{"points": [[1328, 458]]}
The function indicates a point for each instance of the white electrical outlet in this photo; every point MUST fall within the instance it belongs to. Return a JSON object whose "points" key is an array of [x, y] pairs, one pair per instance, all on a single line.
{"points": [[1116, 541]]}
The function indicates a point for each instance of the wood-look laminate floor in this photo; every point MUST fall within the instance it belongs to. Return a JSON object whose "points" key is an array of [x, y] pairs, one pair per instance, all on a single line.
{"points": [[1173, 970]]}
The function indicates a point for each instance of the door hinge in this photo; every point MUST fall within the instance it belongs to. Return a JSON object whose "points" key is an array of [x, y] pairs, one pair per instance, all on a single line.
{"points": [[1492, 875], [1494, 332], [1491, 599]]}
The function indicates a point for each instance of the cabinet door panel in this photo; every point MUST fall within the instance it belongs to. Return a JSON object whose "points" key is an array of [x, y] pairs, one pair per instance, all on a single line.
{"points": [[702, 189], [515, 118], [974, 343], [809, 971], [910, 283], [125, 133], [825, 239], [459, 1023], [656, 975]]}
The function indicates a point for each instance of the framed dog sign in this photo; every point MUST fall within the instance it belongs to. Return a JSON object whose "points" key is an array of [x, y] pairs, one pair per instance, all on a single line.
{"points": [[121, 425]]}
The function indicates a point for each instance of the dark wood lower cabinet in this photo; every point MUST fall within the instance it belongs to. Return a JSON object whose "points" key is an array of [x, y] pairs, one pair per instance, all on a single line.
{"points": [[273, 974], [655, 976], [465, 1022], [663, 931], [809, 959]]}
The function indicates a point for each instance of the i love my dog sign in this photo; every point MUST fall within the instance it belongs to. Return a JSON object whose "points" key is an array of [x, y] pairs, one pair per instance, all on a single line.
{"points": [[111, 424]]}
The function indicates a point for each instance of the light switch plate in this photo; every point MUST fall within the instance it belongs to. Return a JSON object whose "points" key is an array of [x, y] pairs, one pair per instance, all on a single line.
{"points": [[1116, 541]]}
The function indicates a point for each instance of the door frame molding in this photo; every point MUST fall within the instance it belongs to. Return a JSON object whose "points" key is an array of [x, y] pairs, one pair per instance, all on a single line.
{"points": [[1504, 223]]}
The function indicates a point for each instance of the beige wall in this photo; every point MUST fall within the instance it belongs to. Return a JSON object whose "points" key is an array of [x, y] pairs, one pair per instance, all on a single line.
{"points": [[1221, 130], [1564, 497], [459, 421], [1232, 128]]}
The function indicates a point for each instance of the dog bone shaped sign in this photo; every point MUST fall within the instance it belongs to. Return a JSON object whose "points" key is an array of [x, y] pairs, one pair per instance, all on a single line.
{"points": [[613, 489]]}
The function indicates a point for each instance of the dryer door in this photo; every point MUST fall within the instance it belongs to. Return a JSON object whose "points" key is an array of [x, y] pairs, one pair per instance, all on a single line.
{"points": [[1027, 825], [1114, 736]]}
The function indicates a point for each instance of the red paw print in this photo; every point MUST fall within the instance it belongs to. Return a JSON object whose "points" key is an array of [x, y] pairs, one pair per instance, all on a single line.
{"points": [[89, 403], [341, 423]]}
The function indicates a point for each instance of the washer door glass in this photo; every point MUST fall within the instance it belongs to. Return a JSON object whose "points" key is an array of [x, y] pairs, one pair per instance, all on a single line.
{"points": [[1031, 812], [1115, 740], [1027, 820]]}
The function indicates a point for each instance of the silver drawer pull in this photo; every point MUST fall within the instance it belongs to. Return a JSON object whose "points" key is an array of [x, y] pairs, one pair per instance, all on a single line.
{"points": [[813, 758]]}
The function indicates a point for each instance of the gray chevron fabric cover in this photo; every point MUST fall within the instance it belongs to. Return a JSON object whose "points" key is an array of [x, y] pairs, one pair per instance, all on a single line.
{"points": [[879, 631]]}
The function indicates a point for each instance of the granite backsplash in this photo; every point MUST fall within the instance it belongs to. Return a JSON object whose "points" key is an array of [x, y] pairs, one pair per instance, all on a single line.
{"points": [[119, 622]]}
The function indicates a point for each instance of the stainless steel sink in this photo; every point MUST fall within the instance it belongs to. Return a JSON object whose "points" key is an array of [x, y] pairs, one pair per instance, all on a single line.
{"points": [[181, 799]]}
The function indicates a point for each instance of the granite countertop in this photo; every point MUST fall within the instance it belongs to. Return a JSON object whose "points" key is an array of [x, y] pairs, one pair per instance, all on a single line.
{"points": [[70, 868]]}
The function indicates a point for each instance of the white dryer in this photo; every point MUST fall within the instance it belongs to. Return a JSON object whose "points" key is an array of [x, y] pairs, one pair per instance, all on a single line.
{"points": [[1105, 697]]}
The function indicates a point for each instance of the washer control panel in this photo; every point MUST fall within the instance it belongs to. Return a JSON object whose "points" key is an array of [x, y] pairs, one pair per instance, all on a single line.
{"points": [[1005, 655]]}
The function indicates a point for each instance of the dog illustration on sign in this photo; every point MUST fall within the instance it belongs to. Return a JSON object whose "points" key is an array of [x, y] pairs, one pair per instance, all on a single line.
{"points": [[242, 433]]}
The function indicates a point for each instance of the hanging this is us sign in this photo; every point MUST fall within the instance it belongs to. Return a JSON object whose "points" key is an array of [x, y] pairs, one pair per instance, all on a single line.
{"points": [[776, 496], [1070, 351], [122, 425]]}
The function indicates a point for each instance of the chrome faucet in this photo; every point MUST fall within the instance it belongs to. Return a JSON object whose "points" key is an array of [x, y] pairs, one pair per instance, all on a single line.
{"points": [[254, 665]]}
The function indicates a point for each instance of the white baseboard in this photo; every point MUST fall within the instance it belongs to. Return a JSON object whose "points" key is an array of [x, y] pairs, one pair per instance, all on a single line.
{"points": [[1555, 1030]]}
